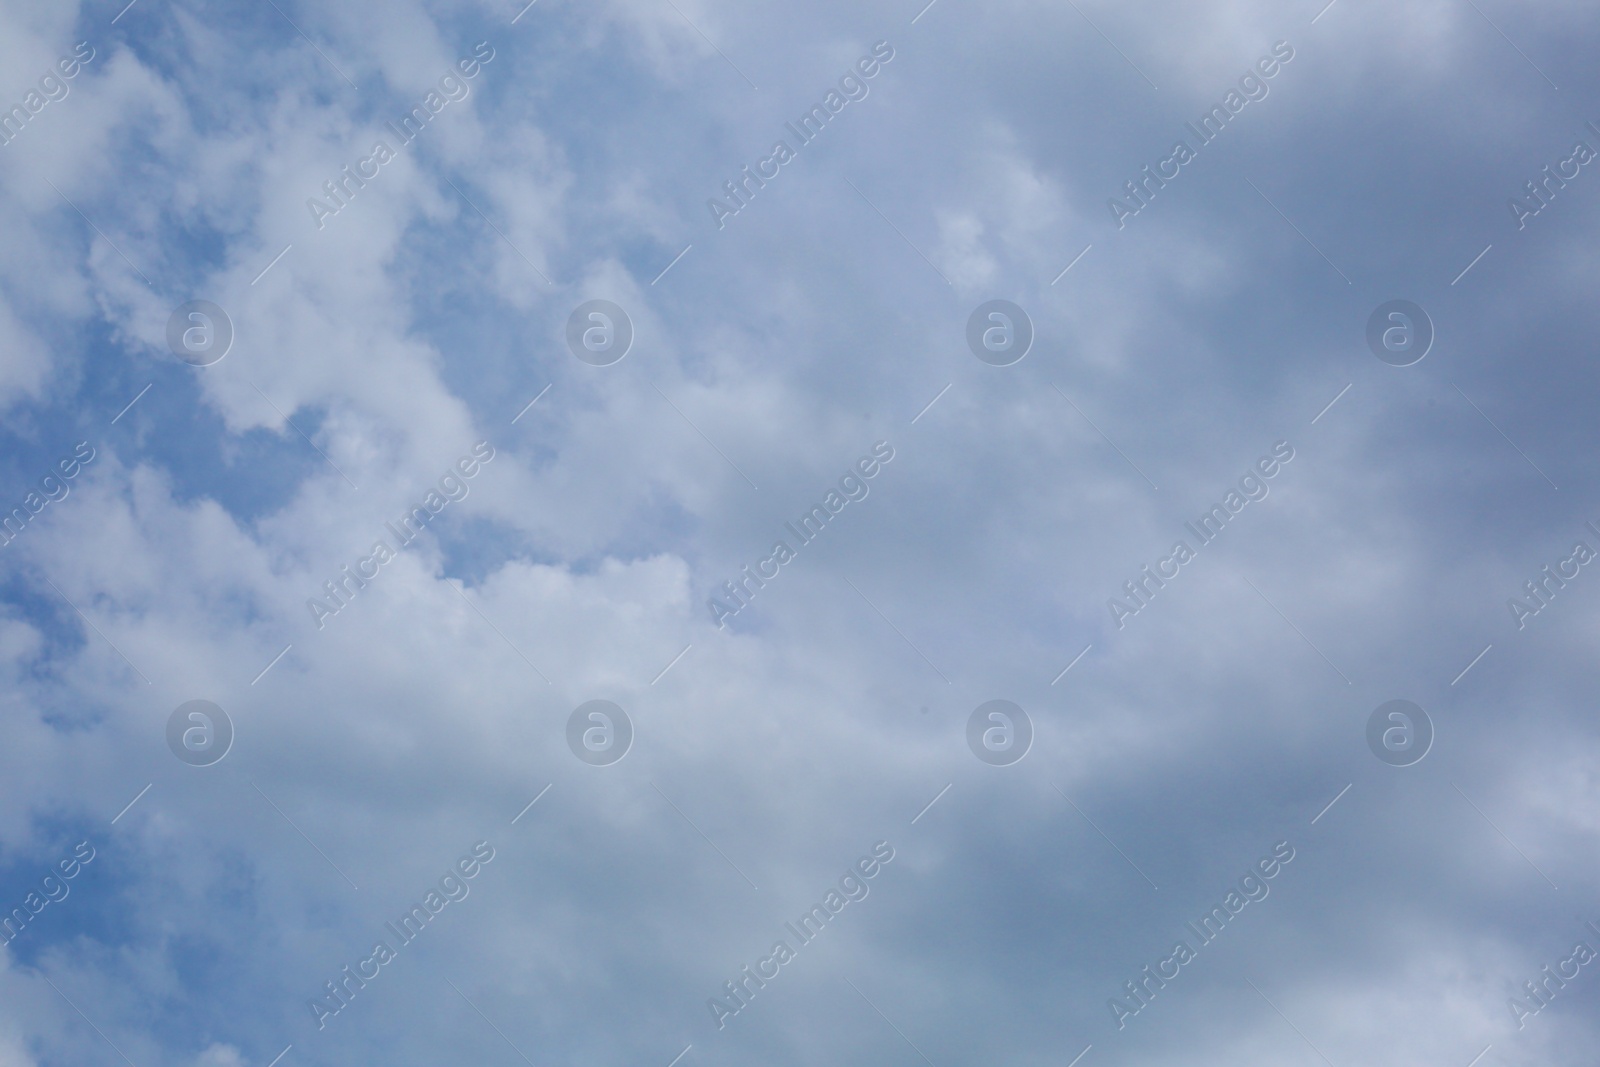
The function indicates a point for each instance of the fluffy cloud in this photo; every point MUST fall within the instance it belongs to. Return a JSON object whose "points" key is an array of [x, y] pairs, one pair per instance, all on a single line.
{"points": [[373, 747]]}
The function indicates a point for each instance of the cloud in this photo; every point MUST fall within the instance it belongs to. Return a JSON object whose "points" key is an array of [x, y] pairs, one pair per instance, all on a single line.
{"points": [[375, 745]]}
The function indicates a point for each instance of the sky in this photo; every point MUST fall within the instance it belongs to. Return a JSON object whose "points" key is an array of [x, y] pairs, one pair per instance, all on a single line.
{"points": [[674, 532]]}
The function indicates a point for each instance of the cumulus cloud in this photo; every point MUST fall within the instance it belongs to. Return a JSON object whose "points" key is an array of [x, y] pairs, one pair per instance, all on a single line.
{"points": [[400, 535]]}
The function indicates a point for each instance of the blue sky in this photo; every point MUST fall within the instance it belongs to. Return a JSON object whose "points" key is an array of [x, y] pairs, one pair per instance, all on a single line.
{"points": [[428, 317]]}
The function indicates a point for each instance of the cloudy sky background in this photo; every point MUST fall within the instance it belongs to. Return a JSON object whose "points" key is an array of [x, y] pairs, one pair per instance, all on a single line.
{"points": [[823, 318]]}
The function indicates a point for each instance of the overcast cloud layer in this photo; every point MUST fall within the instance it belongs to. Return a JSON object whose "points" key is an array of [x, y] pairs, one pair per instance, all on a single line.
{"points": [[1198, 748]]}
